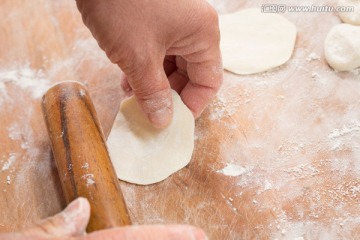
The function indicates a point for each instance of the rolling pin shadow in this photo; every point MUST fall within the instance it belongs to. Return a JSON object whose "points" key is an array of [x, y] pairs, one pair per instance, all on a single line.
{"points": [[82, 159]]}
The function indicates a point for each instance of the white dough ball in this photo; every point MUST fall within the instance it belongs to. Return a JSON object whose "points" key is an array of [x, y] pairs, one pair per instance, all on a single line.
{"points": [[342, 47], [350, 17]]}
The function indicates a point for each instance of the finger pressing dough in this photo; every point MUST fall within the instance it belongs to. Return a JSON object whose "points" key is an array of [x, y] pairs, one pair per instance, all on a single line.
{"points": [[253, 42], [143, 154], [342, 47], [352, 17]]}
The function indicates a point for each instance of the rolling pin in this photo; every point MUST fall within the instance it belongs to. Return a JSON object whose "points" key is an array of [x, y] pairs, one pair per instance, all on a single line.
{"points": [[82, 159]]}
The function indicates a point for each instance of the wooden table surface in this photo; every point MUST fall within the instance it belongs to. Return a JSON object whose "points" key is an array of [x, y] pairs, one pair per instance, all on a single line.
{"points": [[276, 157]]}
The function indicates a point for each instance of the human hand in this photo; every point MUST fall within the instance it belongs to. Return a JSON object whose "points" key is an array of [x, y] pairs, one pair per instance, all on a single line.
{"points": [[71, 223], [159, 44]]}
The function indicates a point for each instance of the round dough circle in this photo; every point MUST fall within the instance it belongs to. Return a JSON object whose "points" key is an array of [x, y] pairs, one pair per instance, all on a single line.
{"points": [[143, 154], [350, 17], [253, 42], [342, 47]]}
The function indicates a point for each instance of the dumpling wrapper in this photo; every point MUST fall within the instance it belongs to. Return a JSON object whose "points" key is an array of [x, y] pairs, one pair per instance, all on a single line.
{"points": [[143, 154], [254, 42]]}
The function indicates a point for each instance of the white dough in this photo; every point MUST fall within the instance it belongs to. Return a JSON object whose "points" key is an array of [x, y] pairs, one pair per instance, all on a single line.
{"points": [[350, 17], [143, 154], [253, 42], [342, 47]]}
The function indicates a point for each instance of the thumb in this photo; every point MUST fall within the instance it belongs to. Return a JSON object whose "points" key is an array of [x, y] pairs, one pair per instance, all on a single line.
{"points": [[152, 91], [72, 221]]}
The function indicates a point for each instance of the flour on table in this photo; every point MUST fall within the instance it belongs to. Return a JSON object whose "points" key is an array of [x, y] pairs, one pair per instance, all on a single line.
{"points": [[8, 180], [25, 78], [9, 162], [143, 154], [313, 57], [232, 170], [253, 42]]}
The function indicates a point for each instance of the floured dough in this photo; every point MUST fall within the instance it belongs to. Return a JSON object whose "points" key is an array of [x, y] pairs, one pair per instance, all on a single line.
{"points": [[253, 42], [350, 17], [143, 154], [342, 47]]}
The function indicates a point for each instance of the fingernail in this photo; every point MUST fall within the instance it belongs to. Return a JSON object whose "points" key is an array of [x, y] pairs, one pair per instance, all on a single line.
{"points": [[74, 209], [160, 118], [72, 206]]}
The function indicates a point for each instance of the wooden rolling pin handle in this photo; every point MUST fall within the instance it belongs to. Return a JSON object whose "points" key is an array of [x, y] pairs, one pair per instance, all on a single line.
{"points": [[81, 155]]}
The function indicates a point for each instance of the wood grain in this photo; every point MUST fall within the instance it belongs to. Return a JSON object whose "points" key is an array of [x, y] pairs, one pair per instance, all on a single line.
{"points": [[292, 130]]}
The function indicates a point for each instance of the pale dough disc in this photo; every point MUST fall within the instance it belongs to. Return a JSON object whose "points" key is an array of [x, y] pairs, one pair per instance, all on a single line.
{"points": [[342, 47], [143, 154], [253, 42], [350, 17]]}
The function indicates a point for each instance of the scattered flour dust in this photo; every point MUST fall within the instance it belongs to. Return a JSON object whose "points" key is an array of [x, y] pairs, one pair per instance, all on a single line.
{"points": [[25, 78], [8, 180], [346, 130], [89, 179], [338, 136], [313, 57], [292, 145], [9, 162], [85, 166], [226, 104], [232, 170]]}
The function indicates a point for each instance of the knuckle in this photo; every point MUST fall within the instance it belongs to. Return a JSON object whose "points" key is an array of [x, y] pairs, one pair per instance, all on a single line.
{"points": [[132, 59], [113, 49], [155, 99], [213, 23], [212, 16]]}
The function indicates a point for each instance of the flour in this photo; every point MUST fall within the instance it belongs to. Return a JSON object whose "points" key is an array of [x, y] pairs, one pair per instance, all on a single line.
{"points": [[225, 105], [223, 108], [9, 162], [26, 78], [304, 230], [339, 137], [14, 133], [8, 180], [82, 93], [296, 126], [232, 170], [313, 57], [85, 166], [282, 132], [352, 128], [89, 179]]}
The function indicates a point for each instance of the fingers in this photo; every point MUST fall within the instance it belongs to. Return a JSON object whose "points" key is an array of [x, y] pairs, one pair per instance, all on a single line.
{"points": [[125, 84], [72, 221], [201, 51], [169, 64], [150, 232], [205, 79], [151, 88], [179, 77]]}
